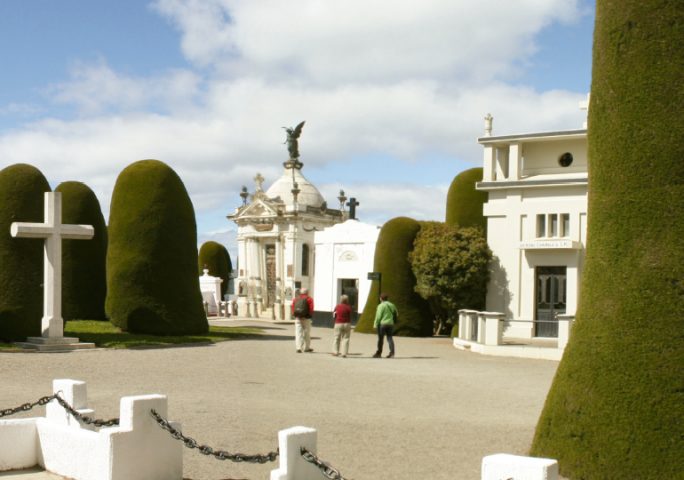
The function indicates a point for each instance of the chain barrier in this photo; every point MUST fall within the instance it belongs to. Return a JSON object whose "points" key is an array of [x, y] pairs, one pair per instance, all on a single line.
{"points": [[26, 406], [325, 468], [45, 400], [207, 450]]}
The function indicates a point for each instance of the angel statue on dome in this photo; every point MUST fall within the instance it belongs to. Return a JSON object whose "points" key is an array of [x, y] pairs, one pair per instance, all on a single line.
{"points": [[292, 143]]}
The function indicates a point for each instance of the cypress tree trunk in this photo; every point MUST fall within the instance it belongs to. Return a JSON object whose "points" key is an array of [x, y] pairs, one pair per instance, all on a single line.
{"points": [[616, 407]]}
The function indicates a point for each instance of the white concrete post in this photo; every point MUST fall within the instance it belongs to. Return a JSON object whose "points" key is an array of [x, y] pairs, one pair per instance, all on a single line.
{"points": [[564, 327], [481, 327], [493, 328], [75, 393], [506, 466], [472, 324], [462, 319], [292, 466]]}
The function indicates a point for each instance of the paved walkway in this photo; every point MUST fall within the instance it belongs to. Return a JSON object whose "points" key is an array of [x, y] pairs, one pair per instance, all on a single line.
{"points": [[431, 413]]}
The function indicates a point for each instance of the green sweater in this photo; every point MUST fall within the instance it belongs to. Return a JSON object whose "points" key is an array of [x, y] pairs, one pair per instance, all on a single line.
{"points": [[384, 315]]}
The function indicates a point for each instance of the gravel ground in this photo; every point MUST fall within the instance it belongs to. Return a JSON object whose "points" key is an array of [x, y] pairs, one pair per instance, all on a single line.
{"points": [[432, 412]]}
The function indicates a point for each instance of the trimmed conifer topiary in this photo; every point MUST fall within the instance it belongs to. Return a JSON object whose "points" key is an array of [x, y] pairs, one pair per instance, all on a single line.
{"points": [[616, 407], [392, 261], [215, 257], [22, 189], [464, 202], [152, 284], [84, 281]]}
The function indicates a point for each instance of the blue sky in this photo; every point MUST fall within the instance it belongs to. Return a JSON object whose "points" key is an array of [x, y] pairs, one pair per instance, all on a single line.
{"points": [[393, 98]]}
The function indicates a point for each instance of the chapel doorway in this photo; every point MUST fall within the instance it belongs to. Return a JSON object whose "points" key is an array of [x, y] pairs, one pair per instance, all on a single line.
{"points": [[551, 288], [270, 275], [350, 288]]}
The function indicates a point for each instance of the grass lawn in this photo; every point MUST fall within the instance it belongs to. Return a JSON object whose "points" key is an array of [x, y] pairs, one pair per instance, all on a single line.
{"points": [[106, 335]]}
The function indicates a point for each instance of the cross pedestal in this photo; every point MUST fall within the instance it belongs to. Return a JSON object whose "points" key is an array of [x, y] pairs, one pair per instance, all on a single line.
{"points": [[53, 231]]}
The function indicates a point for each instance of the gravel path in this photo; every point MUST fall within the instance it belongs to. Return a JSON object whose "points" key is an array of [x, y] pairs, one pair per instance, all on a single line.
{"points": [[430, 413]]}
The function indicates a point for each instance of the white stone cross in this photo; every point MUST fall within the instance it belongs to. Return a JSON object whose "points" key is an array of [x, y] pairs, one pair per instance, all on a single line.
{"points": [[53, 231]]}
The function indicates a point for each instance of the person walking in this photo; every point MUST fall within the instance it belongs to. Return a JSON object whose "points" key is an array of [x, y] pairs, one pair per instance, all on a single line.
{"points": [[342, 330], [385, 317], [302, 308]]}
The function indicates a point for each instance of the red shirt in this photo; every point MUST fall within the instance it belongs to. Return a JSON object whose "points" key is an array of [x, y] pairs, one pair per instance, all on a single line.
{"points": [[342, 313]]}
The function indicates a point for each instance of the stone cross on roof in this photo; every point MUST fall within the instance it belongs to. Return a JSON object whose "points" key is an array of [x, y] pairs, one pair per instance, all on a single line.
{"points": [[53, 231]]}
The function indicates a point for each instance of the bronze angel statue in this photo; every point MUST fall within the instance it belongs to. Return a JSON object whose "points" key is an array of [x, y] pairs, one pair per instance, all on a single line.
{"points": [[292, 136]]}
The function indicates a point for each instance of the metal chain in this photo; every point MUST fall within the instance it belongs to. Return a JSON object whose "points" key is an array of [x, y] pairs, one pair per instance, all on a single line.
{"points": [[45, 400], [325, 468], [26, 406], [84, 418], [207, 450]]}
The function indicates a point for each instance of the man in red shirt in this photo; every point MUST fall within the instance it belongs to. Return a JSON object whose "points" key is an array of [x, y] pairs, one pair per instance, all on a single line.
{"points": [[342, 314], [302, 309]]}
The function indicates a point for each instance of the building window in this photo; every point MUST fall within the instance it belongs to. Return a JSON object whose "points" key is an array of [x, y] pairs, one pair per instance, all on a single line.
{"points": [[565, 160], [305, 260], [565, 224], [553, 225], [541, 225]]}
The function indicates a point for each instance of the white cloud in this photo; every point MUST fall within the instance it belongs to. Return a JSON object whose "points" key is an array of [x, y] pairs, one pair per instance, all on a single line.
{"points": [[95, 88], [359, 41], [402, 80]]}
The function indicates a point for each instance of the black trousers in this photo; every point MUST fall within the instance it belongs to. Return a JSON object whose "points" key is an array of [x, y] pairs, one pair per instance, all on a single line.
{"points": [[385, 330]]}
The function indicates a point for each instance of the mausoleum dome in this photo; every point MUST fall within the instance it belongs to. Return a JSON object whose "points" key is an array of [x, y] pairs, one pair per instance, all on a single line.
{"points": [[282, 189]]}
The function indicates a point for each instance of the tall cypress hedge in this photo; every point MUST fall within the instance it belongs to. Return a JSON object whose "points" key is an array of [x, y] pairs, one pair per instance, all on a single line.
{"points": [[215, 257], [464, 203], [395, 241], [22, 189], [152, 284], [616, 406], [84, 281]]}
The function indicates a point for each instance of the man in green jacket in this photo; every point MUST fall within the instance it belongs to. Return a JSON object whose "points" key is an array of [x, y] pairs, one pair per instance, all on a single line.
{"points": [[385, 317]]}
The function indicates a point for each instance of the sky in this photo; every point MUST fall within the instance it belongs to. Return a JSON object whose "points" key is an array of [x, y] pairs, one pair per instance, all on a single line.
{"points": [[393, 92]]}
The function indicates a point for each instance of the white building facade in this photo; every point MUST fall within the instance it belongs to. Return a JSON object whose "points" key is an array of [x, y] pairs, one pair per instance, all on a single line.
{"points": [[275, 239], [536, 226], [344, 256]]}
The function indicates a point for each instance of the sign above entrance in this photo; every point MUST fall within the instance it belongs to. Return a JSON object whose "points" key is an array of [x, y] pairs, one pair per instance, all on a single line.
{"points": [[560, 244], [374, 275]]}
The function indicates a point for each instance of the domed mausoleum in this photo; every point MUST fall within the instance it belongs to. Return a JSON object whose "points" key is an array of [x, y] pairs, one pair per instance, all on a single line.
{"points": [[276, 241]]}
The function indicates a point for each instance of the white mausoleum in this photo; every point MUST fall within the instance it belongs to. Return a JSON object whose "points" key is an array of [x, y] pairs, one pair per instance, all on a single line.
{"points": [[275, 237], [344, 256], [536, 226]]}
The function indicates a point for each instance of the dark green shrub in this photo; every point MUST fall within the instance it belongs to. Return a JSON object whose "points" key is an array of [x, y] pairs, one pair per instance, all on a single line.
{"points": [[215, 257], [152, 284], [451, 266], [84, 281], [21, 259], [616, 406], [391, 259], [464, 203]]}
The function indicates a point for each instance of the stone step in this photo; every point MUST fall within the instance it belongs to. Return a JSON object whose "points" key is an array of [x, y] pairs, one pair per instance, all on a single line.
{"points": [[54, 344]]}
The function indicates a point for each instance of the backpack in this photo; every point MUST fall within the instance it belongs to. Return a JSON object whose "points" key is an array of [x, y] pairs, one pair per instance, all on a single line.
{"points": [[301, 308]]}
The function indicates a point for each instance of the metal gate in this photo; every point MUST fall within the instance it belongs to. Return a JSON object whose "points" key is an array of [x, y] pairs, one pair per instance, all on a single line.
{"points": [[551, 283]]}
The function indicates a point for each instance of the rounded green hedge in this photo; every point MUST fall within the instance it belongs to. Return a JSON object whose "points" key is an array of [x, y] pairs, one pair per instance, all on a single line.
{"points": [[464, 203], [22, 189], [391, 259], [215, 257], [616, 406], [152, 284], [84, 281]]}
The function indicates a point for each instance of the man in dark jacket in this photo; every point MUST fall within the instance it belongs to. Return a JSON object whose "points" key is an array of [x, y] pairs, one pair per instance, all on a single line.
{"points": [[302, 309]]}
